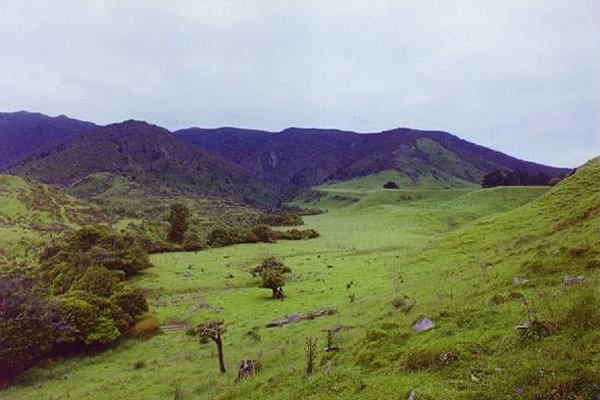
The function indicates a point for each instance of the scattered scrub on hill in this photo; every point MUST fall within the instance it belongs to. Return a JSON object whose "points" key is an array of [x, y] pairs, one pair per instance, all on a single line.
{"points": [[296, 209], [181, 230], [286, 219]]}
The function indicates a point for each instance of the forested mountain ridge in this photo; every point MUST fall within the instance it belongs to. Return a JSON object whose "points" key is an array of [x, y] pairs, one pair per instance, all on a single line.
{"points": [[247, 166], [149, 155], [22, 133], [295, 158]]}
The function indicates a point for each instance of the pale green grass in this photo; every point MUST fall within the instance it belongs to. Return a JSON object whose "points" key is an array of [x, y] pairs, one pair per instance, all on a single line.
{"points": [[449, 250], [376, 181], [362, 243]]}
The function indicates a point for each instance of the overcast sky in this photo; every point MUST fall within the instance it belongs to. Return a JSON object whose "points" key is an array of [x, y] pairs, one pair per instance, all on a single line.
{"points": [[520, 76]]}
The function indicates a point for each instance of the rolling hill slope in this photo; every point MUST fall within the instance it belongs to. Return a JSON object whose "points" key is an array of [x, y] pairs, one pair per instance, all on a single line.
{"points": [[31, 213], [534, 266]]}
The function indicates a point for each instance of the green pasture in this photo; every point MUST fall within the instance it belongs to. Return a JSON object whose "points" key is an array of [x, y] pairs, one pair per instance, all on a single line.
{"points": [[450, 254]]}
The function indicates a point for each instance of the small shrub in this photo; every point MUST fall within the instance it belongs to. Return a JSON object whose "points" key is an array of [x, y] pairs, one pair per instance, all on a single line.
{"points": [[178, 393], [190, 331], [583, 314], [428, 357], [139, 364], [403, 304], [497, 299], [375, 335], [254, 333], [593, 264], [537, 330], [145, 327], [368, 359], [388, 326]]}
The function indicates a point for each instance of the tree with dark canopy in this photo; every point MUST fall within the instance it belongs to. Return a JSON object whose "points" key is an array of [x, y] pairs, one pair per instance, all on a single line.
{"points": [[391, 185], [178, 218], [212, 330], [26, 329], [272, 271]]}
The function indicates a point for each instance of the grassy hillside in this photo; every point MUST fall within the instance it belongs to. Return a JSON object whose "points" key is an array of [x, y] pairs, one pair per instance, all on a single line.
{"points": [[427, 179], [465, 282], [31, 213], [384, 258]]}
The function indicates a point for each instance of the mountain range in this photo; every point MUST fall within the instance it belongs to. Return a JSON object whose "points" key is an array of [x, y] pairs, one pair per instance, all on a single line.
{"points": [[23, 132], [295, 158], [249, 166]]}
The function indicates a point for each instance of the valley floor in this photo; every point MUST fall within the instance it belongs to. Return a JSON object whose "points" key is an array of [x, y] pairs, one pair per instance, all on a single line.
{"points": [[374, 248]]}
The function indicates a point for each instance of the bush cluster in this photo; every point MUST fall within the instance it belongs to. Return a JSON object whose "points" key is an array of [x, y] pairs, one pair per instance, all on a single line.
{"points": [[517, 177], [77, 301], [220, 237], [285, 219]]}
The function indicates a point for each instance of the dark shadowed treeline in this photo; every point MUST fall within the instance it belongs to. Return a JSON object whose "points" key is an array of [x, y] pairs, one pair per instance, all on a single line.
{"points": [[518, 177]]}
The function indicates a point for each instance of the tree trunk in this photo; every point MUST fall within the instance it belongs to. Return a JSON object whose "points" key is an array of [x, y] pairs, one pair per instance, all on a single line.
{"points": [[278, 293], [220, 354]]}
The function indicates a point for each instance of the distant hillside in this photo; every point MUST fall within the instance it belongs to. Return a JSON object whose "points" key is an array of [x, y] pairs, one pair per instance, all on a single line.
{"points": [[295, 158], [32, 212], [22, 133], [149, 155], [132, 201], [250, 166]]}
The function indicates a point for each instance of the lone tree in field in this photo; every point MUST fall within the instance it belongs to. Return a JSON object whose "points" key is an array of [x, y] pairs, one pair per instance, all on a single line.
{"points": [[272, 272], [212, 330], [178, 218]]}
